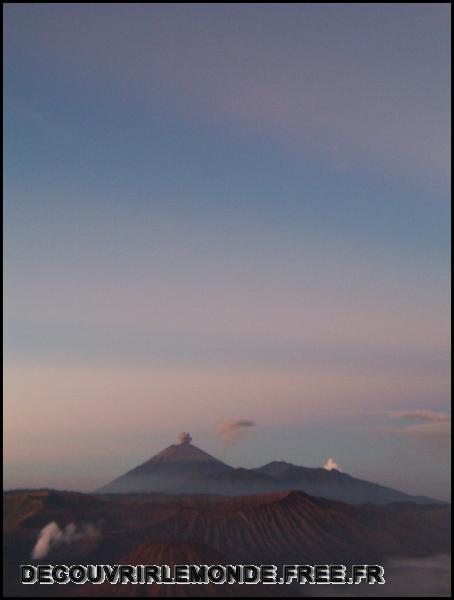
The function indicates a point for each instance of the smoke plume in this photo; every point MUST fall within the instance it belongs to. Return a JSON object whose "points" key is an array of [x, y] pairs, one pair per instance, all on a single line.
{"points": [[331, 464], [52, 537], [184, 438], [230, 431]]}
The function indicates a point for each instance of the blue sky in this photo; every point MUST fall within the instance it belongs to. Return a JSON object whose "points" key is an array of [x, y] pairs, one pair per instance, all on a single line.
{"points": [[217, 212]]}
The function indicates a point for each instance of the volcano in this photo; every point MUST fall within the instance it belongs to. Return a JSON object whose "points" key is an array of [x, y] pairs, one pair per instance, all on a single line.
{"points": [[185, 469], [171, 471]]}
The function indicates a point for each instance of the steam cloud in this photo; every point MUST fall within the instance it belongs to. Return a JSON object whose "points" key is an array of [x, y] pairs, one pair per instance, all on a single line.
{"points": [[184, 438], [230, 431], [52, 537], [331, 464]]}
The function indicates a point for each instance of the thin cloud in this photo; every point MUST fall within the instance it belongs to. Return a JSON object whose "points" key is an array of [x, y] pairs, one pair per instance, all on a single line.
{"points": [[310, 90], [231, 431], [431, 426], [422, 415], [431, 423]]}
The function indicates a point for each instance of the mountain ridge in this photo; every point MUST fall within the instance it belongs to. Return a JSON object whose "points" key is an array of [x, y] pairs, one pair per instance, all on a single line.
{"points": [[284, 527], [186, 469]]}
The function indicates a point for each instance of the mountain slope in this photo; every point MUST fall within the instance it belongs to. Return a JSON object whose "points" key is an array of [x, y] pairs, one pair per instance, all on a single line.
{"points": [[334, 485], [175, 553], [278, 528], [168, 471], [185, 469]]}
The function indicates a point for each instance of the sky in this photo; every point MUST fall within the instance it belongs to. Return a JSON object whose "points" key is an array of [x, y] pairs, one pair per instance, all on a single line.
{"points": [[222, 212]]}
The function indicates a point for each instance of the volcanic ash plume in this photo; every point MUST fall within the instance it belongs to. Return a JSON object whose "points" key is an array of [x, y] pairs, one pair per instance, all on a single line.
{"points": [[230, 431], [52, 537], [331, 464], [184, 438]]}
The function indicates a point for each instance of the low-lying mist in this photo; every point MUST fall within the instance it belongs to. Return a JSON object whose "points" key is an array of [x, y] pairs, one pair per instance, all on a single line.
{"points": [[405, 577]]}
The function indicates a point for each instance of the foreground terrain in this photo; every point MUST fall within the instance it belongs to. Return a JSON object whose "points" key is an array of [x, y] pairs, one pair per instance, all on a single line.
{"points": [[278, 528]]}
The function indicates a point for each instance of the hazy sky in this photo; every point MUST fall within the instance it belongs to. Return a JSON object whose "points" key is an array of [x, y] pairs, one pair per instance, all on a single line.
{"points": [[216, 212]]}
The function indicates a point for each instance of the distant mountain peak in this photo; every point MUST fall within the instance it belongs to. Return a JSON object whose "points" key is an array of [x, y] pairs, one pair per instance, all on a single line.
{"points": [[183, 468], [170, 467], [184, 451]]}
